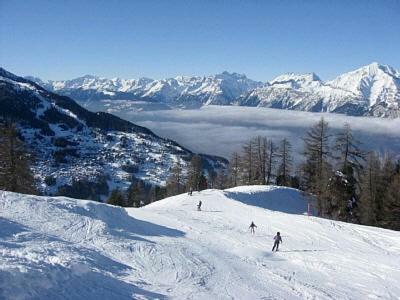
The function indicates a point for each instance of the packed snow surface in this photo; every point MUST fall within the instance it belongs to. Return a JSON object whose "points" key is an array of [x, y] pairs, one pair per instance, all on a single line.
{"points": [[62, 248]]}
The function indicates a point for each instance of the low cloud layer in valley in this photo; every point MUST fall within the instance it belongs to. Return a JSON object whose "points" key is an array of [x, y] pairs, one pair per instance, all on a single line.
{"points": [[221, 130]]}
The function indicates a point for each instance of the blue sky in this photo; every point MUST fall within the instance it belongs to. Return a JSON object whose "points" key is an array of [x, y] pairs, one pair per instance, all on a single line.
{"points": [[57, 39]]}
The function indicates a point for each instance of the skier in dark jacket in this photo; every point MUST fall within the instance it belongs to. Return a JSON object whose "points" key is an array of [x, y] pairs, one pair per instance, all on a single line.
{"points": [[199, 206], [278, 240], [252, 226]]}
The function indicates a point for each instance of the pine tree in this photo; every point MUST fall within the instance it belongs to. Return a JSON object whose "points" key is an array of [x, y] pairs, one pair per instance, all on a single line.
{"points": [[117, 198], [285, 163], [203, 183], [212, 179], [136, 193], [15, 173]]}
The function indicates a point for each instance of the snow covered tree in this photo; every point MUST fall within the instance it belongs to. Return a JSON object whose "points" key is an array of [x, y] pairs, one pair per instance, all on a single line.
{"points": [[285, 163], [15, 160]]}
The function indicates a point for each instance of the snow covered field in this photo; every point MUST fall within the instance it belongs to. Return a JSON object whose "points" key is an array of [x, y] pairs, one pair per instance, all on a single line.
{"points": [[61, 248]]}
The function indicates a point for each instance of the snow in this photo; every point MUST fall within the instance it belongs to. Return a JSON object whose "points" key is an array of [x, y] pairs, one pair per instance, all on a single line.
{"points": [[374, 82], [178, 91], [370, 90], [62, 248], [80, 153]]}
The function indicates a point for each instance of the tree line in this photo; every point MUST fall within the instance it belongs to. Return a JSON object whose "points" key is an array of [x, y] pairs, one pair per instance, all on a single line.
{"points": [[346, 182]]}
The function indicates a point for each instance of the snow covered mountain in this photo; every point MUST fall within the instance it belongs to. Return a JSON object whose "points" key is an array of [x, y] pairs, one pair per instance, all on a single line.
{"points": [[378, 85], [85, 154], [371, 90], [62, 248], [178, 92]]}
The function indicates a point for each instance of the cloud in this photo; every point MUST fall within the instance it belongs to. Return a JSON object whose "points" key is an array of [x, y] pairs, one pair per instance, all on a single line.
{"points": [[221, 130]]}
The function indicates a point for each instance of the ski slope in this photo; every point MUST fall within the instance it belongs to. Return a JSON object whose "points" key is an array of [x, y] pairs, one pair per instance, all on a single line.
{"points": [[62, 248]]}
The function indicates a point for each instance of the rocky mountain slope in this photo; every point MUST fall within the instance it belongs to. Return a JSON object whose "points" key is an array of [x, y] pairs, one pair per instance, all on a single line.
{"points": [[181, 91], [62, 248], [373, 90], [84, 154]]}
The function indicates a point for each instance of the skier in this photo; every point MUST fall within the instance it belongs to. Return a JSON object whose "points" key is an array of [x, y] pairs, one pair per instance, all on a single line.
{"points": [[190, 192], [252, 226], [199, 206], [278, 240]]}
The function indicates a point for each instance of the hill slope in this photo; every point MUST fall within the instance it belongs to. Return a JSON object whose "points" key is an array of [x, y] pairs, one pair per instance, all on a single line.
{"points": [[78, 150], [61, 248]]}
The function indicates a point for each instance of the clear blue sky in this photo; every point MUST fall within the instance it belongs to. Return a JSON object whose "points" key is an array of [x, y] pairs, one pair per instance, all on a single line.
{"points": [[55, 39]]}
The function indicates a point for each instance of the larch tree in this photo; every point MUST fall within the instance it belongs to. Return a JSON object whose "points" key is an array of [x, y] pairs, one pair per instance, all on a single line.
{"points": [[285, 163], [316, 167], [195, 173], [175, 181], [247, 162], [369, 185], [234, 169], [271, 161]]}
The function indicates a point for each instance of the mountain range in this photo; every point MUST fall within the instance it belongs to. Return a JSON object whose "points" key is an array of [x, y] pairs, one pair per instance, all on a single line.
{"points": [[83, 154], [372, 90]]}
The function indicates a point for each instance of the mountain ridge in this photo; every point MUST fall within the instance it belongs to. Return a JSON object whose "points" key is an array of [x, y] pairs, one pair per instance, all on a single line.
{"points": [[372, 90]]}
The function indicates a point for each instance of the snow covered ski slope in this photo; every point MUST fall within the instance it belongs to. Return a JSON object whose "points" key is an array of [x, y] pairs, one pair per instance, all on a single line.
{"points": [[61, 248]]}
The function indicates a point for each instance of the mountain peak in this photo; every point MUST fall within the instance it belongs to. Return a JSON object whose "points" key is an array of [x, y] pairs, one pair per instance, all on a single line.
{"points": [[293, 77], [374, 69]]}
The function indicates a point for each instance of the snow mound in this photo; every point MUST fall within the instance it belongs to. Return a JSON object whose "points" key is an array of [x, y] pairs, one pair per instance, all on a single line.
{"points": [[62, 248], [275, 198]]}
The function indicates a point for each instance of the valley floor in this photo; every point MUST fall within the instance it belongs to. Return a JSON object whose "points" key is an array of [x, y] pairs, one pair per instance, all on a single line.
{"points": [[61, 248]]}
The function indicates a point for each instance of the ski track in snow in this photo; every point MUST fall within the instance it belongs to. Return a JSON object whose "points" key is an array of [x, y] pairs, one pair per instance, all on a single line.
{"points": [[62, 248]]}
